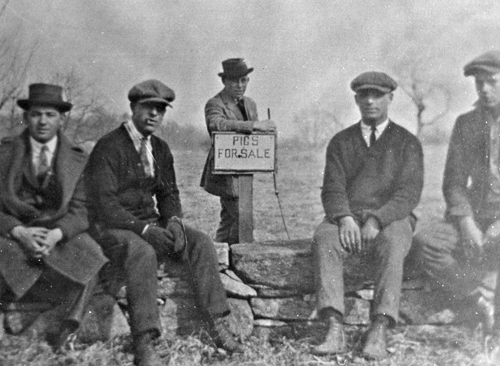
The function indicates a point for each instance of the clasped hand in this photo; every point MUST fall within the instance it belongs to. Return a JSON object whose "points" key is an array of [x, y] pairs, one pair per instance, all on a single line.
{"points": [[38, 242], [355, 239], [166, 240], [474, 241]]}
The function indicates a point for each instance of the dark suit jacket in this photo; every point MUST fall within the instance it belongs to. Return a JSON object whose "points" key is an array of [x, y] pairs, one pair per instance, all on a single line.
{"points": [[120, 193], [467, 170], [77, 260], [384, 181], [222, 114]]}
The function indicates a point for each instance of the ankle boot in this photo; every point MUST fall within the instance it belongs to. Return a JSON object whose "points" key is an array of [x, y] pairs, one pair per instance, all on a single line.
{"points": [[144, 351], [223, 337], [375, 347], [334, 341]]}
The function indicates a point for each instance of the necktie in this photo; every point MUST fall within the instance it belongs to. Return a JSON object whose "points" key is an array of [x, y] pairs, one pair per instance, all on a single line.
{"points": [[43, 163], [144, 158], [241, 107], [373, 138]]}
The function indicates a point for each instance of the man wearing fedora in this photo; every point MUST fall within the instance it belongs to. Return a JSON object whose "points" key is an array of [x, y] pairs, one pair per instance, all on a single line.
{"points": [[45, 254], [230, 110], [459, 252], [372, 182], [136, 209]]}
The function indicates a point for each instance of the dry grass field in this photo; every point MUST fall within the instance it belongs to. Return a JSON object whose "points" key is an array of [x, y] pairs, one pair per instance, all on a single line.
{"points": [[299, 181]]}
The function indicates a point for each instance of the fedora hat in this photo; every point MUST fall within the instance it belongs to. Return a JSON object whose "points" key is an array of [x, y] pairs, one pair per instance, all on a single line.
{"points": [[234, 68], [47, 95]]}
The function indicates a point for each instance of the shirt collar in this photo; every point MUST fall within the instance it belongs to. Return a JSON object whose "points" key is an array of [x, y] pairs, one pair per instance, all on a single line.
{"points": [[380, 128], [37, 146], [134, 132]]}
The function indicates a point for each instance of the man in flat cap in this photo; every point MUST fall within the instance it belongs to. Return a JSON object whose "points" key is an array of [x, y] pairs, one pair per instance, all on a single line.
{"points": [[453, 251], [230, 110], [137, 210], [372, 182], [45, 254]]}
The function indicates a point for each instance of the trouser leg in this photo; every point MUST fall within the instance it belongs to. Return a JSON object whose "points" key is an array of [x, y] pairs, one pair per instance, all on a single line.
{"points": [[203, 262], [228, 230], [328, 267], [139, 264], [389, 251], [437, 248]]}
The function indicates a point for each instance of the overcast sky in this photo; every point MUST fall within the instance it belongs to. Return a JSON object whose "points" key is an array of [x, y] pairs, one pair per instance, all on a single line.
{"points": [[304, 52]]}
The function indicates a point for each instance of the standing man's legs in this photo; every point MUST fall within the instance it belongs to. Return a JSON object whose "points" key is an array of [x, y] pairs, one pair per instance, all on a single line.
{"points": [[228, 230]]}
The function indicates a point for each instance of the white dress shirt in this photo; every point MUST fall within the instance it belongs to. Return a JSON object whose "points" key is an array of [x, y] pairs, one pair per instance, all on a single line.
{"points": [[137, 137], [366, 130], [36, 149]]}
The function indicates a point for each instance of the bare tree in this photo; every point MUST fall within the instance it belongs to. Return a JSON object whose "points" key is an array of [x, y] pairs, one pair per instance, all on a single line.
{"points": [[88, 119], [15, 60], [424, 91]]}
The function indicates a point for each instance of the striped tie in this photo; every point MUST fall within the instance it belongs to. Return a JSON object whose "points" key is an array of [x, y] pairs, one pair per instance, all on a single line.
{"points": [[148, 170]]}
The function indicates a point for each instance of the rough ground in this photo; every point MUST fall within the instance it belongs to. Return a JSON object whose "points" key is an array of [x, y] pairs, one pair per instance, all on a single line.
{"points": [[299, 182]]}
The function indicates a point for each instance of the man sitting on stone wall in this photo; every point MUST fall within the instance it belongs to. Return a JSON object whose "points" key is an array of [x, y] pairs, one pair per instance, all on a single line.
{"points": [[373, 180]]}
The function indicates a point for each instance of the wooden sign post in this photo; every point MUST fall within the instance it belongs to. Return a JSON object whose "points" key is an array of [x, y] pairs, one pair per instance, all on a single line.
{"points": [[242, 155]]}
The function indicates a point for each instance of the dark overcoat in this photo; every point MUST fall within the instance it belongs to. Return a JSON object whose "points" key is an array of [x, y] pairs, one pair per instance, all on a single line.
{"points": [[467, 170], [222, 114], [77, 257]]}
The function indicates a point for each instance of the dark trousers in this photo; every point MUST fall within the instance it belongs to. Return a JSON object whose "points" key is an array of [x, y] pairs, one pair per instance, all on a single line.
{"points": [[57, 290], [386, 256], [228, 230], [137, 259], [438, 247]]}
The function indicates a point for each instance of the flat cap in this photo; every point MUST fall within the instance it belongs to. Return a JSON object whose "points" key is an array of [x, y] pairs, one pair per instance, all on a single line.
{"points": [[151, 91], [374, 80], [488, 62]]}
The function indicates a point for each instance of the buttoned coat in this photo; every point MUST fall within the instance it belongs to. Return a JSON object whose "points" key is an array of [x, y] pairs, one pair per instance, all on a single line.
{"points": [[384, 181], [466, 175], [77, 257], [222, 114], [121, 195]]}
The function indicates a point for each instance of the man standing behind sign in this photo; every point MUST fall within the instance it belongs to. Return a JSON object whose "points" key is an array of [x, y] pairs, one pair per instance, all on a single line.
{"points": [[373, 180], [230, 110]]}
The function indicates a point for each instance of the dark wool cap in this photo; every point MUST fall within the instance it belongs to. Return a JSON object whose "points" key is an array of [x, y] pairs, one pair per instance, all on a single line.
{"points": [[151, 91], [374, 80], [488, 62]]}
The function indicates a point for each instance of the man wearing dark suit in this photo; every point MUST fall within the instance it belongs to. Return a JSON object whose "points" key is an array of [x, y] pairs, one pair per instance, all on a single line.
{"points": [[45, 254], [372, 182], [453, 251], [230, 110], [136, 210]]}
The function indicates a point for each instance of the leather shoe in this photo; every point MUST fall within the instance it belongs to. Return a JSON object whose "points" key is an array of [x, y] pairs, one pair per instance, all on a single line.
{"points": [[334, 342], [223, 337], [144, 351], [375, 347]]}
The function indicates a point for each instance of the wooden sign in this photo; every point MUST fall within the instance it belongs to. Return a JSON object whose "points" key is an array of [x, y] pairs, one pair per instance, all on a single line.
{"points": [[238, 153]]}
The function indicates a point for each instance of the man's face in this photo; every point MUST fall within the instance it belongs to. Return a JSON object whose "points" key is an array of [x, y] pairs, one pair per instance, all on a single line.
{"points": [[147, 117], [488, 89], [373, 105], [43, 122], [236, 87]]}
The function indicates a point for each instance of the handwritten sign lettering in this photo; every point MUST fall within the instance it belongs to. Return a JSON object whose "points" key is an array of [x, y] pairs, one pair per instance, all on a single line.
{"points": [[240, 153]]}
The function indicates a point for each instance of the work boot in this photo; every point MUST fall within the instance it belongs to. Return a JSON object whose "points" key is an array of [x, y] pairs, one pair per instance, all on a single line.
{"points": [[334, 341], [223, 337], [144, 351], [375, 347]]}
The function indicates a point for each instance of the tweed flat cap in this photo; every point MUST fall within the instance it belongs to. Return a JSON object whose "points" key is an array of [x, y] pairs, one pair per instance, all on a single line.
{"points": [[374, 80], [151, 91], [488, 62]]}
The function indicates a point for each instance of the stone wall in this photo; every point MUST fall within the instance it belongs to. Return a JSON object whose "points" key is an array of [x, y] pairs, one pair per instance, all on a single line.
{"points": [[269, 285]]}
